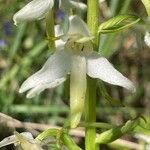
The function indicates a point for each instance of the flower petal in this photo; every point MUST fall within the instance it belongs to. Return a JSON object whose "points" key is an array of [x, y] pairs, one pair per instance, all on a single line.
{"points": [[100, 67], [12, 139], [36, 9], [77, 88], [38, 89], [78, 26], [66, 5], [59, 32], [147, 38], [57, 66], [7, 141], [59, 44], [78, 5], [26, 143]]}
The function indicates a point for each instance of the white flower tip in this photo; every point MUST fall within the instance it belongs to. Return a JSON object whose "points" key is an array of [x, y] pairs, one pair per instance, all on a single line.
{"points": [[24, 87], [79, 5], [130, 86], [132, 89], [83, 7], [147, 39], [21, 90], [31, 94], [15, 22]]}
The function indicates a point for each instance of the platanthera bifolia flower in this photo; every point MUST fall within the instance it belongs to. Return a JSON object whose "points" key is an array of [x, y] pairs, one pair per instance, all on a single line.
{"points": [[37, 9], [25, 140], [76, 57]]}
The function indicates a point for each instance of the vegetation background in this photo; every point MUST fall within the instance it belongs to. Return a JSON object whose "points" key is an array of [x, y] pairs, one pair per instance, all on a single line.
{"points": [[23, 50]]}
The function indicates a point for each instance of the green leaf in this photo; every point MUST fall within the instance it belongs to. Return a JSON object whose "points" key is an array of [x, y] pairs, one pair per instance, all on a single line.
{"points": [[118, 23], [147, 6], [105, 95], [116, 132]]}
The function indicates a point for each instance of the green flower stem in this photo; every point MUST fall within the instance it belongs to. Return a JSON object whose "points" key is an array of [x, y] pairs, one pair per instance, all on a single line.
{"points": [[50, 30], [60, 137], [90, 114], [69, 143], [93, 19], [47, 133], [90, 103]]}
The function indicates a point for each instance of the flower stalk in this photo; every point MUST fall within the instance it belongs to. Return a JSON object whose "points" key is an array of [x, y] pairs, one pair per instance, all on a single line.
{"points": [[50, 29], [90, 105]]}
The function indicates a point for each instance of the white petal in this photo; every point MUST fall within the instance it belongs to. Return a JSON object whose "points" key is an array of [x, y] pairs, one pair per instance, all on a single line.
{"points": [[59, 44], [27, 135], [100, 67], [78, 5], [147, 38], [7, 141], [65, 5], [26, 143], [57, 66], [12, 139], [77, 89], [59, 32], [38, 89], [36, 9], [78, 26]]}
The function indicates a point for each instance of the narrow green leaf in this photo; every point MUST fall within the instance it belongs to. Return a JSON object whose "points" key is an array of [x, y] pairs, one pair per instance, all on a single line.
{"points": [[116, 132], [118, 23], [106, 96]]}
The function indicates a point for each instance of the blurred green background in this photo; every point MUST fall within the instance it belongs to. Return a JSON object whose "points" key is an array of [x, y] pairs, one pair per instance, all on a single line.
{"points": [[23, 50]]}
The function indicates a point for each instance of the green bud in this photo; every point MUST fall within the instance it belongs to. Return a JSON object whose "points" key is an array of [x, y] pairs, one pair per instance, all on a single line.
{"points": [[118, 23], [116, 132]]}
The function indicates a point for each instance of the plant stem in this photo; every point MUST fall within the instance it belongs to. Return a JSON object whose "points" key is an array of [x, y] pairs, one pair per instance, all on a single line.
{"points": [[90, 114], [93, 19], [90, 103], [50, 29]]}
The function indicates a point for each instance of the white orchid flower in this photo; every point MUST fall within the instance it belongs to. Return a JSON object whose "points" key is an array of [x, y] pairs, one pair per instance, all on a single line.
{"points": [[37, 9], [25, 140], [147, 38], [76, 57]]}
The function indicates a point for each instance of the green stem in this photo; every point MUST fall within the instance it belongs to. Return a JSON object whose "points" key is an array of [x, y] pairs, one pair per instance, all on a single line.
{"points": [[69, 143], [93, 19], [90, 114], [90, 103], [50, 29]]}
